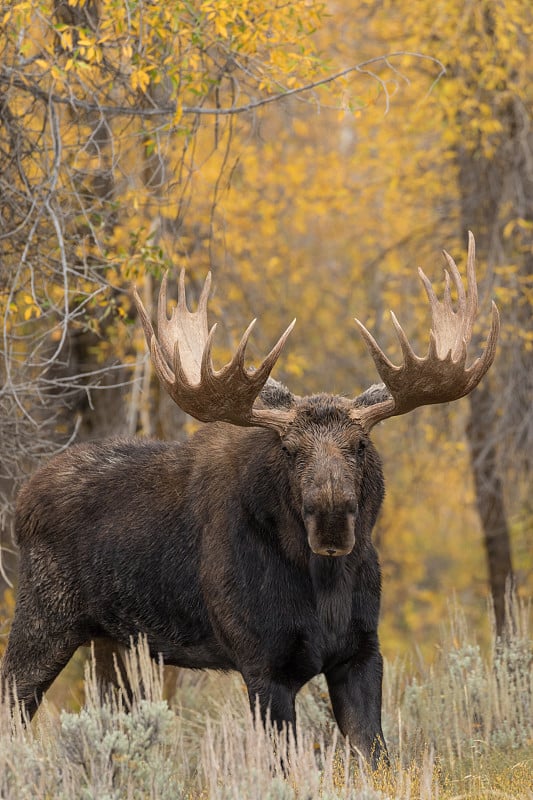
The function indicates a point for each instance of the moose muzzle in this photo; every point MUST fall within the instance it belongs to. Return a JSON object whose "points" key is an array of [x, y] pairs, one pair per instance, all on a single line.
{"points": [[331, 533]]}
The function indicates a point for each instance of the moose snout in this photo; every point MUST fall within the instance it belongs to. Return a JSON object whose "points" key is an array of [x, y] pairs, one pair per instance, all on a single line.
{"points": [[330, 532]]}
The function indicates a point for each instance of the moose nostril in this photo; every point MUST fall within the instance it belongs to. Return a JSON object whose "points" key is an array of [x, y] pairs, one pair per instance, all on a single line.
{"points": [[331, 551]]}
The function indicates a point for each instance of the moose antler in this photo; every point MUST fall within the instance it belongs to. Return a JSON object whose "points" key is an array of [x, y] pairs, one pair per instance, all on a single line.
{"points": [[442, 374], [181, 354]]}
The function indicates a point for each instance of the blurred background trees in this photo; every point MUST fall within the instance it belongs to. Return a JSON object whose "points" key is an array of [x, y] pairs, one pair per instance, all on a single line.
{"points": [[140, 136]]}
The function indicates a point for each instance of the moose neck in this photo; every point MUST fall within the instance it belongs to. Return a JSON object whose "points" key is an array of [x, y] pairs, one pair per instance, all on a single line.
{"points": [[332, 580]]}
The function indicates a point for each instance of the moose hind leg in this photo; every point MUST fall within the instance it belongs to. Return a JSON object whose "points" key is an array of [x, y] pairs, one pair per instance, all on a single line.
{"points": [[34, 657], [110, 667]]}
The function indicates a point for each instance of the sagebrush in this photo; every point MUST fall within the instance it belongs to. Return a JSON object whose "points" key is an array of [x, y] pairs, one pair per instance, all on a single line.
{"points": [[460, 727]]}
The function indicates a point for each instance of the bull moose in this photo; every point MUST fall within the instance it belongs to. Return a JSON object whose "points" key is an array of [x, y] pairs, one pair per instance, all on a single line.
{"points": [[247, 547]]}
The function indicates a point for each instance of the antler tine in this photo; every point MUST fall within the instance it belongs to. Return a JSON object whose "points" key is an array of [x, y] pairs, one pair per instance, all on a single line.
{"points": [[241, 349], [407, 351], [471, 277], [263, 371], [182, 292], [181, 354], [383, 364], [456, 275], [145, 319], [162, 319], [441, 375], [484, 361]]}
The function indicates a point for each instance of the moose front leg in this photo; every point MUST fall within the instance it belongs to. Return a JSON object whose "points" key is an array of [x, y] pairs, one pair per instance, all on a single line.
{"points": [[276, 701], [355, 692]]}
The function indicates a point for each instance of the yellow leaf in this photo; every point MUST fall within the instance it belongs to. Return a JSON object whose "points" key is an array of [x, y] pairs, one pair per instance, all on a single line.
{"points": [[140, 79], [66, 39], [220, 28], [509, 228]]}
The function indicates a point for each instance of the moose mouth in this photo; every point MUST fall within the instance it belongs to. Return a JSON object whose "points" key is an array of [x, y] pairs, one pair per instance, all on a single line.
{"points": [[330, 535], [330, 552]]}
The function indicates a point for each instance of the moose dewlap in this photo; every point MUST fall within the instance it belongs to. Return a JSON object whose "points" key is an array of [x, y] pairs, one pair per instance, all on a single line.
{"points": [[246, 548]]}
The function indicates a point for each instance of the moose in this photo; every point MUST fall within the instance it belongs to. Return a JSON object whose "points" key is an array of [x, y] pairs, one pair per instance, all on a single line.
{"points": [[248, 546]]}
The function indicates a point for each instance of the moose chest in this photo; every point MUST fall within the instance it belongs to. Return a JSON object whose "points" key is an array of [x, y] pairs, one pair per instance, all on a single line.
{"points": [[271, 616]]}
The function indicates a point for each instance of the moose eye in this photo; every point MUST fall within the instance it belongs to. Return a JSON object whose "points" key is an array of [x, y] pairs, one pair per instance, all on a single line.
{"points": [[288, 451], [361, 447]]}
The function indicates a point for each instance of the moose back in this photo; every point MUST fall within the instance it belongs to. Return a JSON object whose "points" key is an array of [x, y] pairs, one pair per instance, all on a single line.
{"points": [[246, 548]]}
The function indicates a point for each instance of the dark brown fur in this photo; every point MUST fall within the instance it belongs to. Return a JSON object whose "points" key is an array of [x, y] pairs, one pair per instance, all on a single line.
{"points": [[217, 550]]}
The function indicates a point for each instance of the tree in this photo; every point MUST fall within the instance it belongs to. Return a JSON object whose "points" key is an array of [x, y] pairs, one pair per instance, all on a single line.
{"points": [[495, 181]]}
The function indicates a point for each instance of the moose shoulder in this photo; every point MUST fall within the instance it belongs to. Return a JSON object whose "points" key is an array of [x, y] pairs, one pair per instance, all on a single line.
{"points": [[248, 547]]}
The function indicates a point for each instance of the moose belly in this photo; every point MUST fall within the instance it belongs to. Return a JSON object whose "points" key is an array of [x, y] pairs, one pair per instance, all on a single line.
{"points": [[187, 644], [200, 655]]}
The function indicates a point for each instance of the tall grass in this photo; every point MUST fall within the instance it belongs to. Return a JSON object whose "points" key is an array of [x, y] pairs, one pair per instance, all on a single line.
{"points": [[461, 727]]}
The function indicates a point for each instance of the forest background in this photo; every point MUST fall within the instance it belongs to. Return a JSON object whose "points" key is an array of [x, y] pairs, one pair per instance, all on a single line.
{"points": [[312, 155]]}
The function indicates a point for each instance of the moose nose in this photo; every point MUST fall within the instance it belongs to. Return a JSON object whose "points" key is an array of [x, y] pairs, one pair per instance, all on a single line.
{"points": [[328, 551]]}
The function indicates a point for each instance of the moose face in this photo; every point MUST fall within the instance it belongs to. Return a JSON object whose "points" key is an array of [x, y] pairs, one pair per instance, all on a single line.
{"points": [[325, 449]]}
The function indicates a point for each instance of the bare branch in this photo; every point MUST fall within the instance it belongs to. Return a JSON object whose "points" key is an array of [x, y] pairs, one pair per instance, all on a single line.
{"points": [[11, 76]]}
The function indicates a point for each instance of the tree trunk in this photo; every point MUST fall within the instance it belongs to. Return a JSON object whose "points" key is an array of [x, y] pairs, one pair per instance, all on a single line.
{"points": [[480, 184], [482, 440], [493, 191]]}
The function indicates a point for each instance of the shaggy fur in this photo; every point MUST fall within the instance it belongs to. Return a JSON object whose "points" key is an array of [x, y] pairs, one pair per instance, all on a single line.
{"points": [[218, 551]]}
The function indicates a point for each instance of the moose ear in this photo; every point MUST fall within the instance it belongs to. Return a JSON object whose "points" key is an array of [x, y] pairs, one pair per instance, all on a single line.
{"points": [[377, 393], [276, 395]]}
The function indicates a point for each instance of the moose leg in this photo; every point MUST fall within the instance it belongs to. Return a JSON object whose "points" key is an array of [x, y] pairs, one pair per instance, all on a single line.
{"points": [[276, 703], [110, 667], [275, 700], [355, 692], [33, 659]]}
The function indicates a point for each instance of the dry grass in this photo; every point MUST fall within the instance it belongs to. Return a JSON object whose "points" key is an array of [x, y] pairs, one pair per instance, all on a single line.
{"points": [[459, 728]]}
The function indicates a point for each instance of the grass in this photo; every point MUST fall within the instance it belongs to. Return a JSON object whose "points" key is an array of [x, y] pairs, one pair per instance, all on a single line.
{"points": [[461, 727]]}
